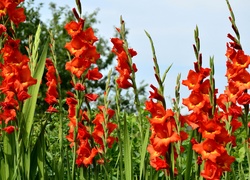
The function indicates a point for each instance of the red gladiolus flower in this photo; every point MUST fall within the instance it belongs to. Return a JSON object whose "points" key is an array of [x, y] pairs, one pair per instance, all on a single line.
{"points": [[16, 15], [156, 109], [51, 109], [155, 94], [124, 81], [76, 46], [91, 97], [94, 74], [124, 66], [230, 52], [232, 91], [192, 81], [210, 129], [22, 95], [52, 83], [74, 28], [211, 171], [118, 45], [164, 135], [77, 66], [9, 129], [168, 115], [194, 102], [100, 125], [2, 29], [79, 87], [242, 80], [209, 149], [223, 138], [235, 123], [224, 161], [240, 60], [3, 8], [244, 99], [85, 154], [89, 36], [25, 77], [155, 160]]}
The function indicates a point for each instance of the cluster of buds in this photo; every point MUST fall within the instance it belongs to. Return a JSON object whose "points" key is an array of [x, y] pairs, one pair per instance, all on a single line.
{"points": [[52, 83]]}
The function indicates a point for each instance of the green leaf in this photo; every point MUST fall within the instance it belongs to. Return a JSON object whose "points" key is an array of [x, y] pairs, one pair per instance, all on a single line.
{"points": [[30, 104], [144, 150], [127, 152], [165, 73], [34, 56], [8, 142], [241, 154], [41, 155], [189, 159]]}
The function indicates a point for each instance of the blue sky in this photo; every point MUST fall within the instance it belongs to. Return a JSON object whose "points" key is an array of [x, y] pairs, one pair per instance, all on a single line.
{"points": [[171, 24]]}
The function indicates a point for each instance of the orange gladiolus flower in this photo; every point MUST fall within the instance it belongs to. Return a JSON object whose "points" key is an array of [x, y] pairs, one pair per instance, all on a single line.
{"points": [[192, 81], [89, 36], [223, 138], [94, 74], [168, 115], [230, 54], [242, 80], [209, 149], [211, 171], [224, 161], [123, 80], [244, 99], [163, 135], [210, 129], [156, 109], [16, 15], [194, 102], [85, 154], [25, 77], [77, 66], [76, 46], [74, 28], [241, 61]]}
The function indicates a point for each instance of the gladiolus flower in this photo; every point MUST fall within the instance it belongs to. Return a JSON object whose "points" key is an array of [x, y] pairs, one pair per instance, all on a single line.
{"points": [[2, 29], [155, 94], [209, 149], [210, 129], [16, 15], [77, 66], [194, 102], [211, 171], [94, 74], [74, 28], [79, 87], [9, 129], [91, 97], [85, 154]]}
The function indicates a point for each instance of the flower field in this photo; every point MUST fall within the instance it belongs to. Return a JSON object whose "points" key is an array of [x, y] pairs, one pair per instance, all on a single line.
{"points": [[87, 133]]}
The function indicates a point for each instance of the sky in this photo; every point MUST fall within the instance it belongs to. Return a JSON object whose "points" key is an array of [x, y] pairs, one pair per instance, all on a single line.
{"points": [[171, 24]]}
